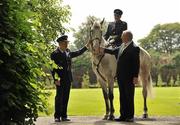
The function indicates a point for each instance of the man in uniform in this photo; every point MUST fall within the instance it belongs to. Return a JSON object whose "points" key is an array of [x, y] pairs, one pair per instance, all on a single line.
{"points": [[115, 29], [62, 76]]}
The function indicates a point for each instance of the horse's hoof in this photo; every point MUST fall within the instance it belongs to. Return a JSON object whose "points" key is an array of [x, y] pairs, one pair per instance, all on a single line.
{"points": [[111, 117], [105, 117], [145, 115]]}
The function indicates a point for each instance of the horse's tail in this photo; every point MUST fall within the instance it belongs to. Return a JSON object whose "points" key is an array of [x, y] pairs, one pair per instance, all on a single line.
{"points": [[145, 62], [149, 87]]}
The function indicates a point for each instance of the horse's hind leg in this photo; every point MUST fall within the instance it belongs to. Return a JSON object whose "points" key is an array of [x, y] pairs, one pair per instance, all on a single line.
{"points": [[144, 92], [105, 95]]}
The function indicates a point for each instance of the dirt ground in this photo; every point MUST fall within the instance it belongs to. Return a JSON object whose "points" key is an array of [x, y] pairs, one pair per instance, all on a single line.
{"points": [[93, 120]]}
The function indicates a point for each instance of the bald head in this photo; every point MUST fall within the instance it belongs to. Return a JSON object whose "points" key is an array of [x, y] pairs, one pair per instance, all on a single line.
{"points": [[127, 36]]}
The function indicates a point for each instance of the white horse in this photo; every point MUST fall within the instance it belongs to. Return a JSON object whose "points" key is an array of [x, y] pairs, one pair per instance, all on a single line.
{"points": [[104, 67]]}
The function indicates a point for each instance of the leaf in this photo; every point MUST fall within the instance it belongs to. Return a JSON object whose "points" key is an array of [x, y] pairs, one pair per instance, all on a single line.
{"points": [[1, 61], [6, 85], [6, 49]]}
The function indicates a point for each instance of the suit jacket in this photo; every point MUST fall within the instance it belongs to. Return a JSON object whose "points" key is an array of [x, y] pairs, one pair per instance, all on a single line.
{"points": [[116, 28], [63, 62], [128, 63]]}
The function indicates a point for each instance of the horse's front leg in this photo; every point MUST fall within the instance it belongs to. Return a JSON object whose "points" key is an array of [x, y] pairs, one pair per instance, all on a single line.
{"points": [[111, 98], [105, 94], [106, 99]]}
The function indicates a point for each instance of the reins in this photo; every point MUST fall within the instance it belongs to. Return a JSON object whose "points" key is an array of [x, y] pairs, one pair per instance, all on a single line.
{"points": [[97, 67]]}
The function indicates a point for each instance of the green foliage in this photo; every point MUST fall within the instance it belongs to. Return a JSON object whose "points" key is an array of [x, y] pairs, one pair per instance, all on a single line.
{"points": [[80, 66], [25, 30], [163, 38], [176, 60], [85, 83], [50, 17]]}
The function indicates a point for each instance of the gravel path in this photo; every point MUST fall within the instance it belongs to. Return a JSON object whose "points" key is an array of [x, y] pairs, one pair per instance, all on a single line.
{"points": [[93, 120]]}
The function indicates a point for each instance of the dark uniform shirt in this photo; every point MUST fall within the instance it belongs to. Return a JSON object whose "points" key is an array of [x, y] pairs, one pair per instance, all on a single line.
{"points": [[114, 31]]}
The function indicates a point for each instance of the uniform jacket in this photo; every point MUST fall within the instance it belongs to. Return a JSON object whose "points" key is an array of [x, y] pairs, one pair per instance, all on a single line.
{"points": [[116, 28], [63, 62]]}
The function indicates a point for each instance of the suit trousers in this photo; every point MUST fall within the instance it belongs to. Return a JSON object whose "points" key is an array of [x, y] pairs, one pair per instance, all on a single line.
{"points": [[126, 99], [61, 99]]}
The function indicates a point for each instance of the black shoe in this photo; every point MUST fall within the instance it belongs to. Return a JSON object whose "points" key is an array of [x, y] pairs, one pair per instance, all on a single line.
{"points": [[119, 119], [129, 120], [65, 119], [57, 120]]}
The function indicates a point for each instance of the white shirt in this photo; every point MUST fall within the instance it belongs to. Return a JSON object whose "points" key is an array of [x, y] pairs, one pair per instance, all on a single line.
{"points": [[67, 53], [122, 48]]}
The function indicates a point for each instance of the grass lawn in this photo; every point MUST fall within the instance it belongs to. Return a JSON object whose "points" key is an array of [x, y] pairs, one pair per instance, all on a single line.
{"points": [[88, 102]]}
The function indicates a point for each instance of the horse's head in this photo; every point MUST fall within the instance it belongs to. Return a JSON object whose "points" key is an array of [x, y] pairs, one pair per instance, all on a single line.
{"points": [[96, 37]]}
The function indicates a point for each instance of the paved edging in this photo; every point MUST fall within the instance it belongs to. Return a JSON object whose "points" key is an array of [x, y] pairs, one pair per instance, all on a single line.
{"points": [[97, 120]]}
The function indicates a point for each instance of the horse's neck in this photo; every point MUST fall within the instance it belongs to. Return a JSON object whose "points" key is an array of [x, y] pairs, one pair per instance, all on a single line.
{"points": [[95, 58], [102, 42]]}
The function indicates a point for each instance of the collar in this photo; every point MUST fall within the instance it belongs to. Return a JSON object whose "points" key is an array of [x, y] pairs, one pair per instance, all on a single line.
{"points": [[61, 50], [118, 22], [127, 44]]}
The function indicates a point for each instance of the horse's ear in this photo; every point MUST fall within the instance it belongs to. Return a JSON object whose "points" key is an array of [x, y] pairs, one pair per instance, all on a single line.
{"points": [[91, 20], [102, 21]]}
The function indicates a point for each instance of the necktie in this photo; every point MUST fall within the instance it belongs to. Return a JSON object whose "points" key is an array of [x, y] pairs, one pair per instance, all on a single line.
{"points": [[121, 49]]}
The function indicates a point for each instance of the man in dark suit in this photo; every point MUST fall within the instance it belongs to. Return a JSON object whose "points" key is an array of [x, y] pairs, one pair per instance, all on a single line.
{"points": [[115, 29], [62, 76], [127, 74]]}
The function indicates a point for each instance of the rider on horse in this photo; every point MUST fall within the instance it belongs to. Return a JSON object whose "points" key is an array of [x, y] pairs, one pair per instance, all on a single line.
{"points": [[115, 29]]}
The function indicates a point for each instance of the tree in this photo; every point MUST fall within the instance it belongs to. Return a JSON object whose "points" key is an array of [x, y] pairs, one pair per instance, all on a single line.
{"points": [[163, 38], [85, 81], [164, 41], [50, 17], [24, 33], [176, 68], [80, 66], [165, 73], [155, 66]]}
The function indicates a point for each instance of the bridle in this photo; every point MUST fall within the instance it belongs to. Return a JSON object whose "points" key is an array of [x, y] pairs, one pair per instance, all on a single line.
{"points": [[99, 39], [101, 56]]}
